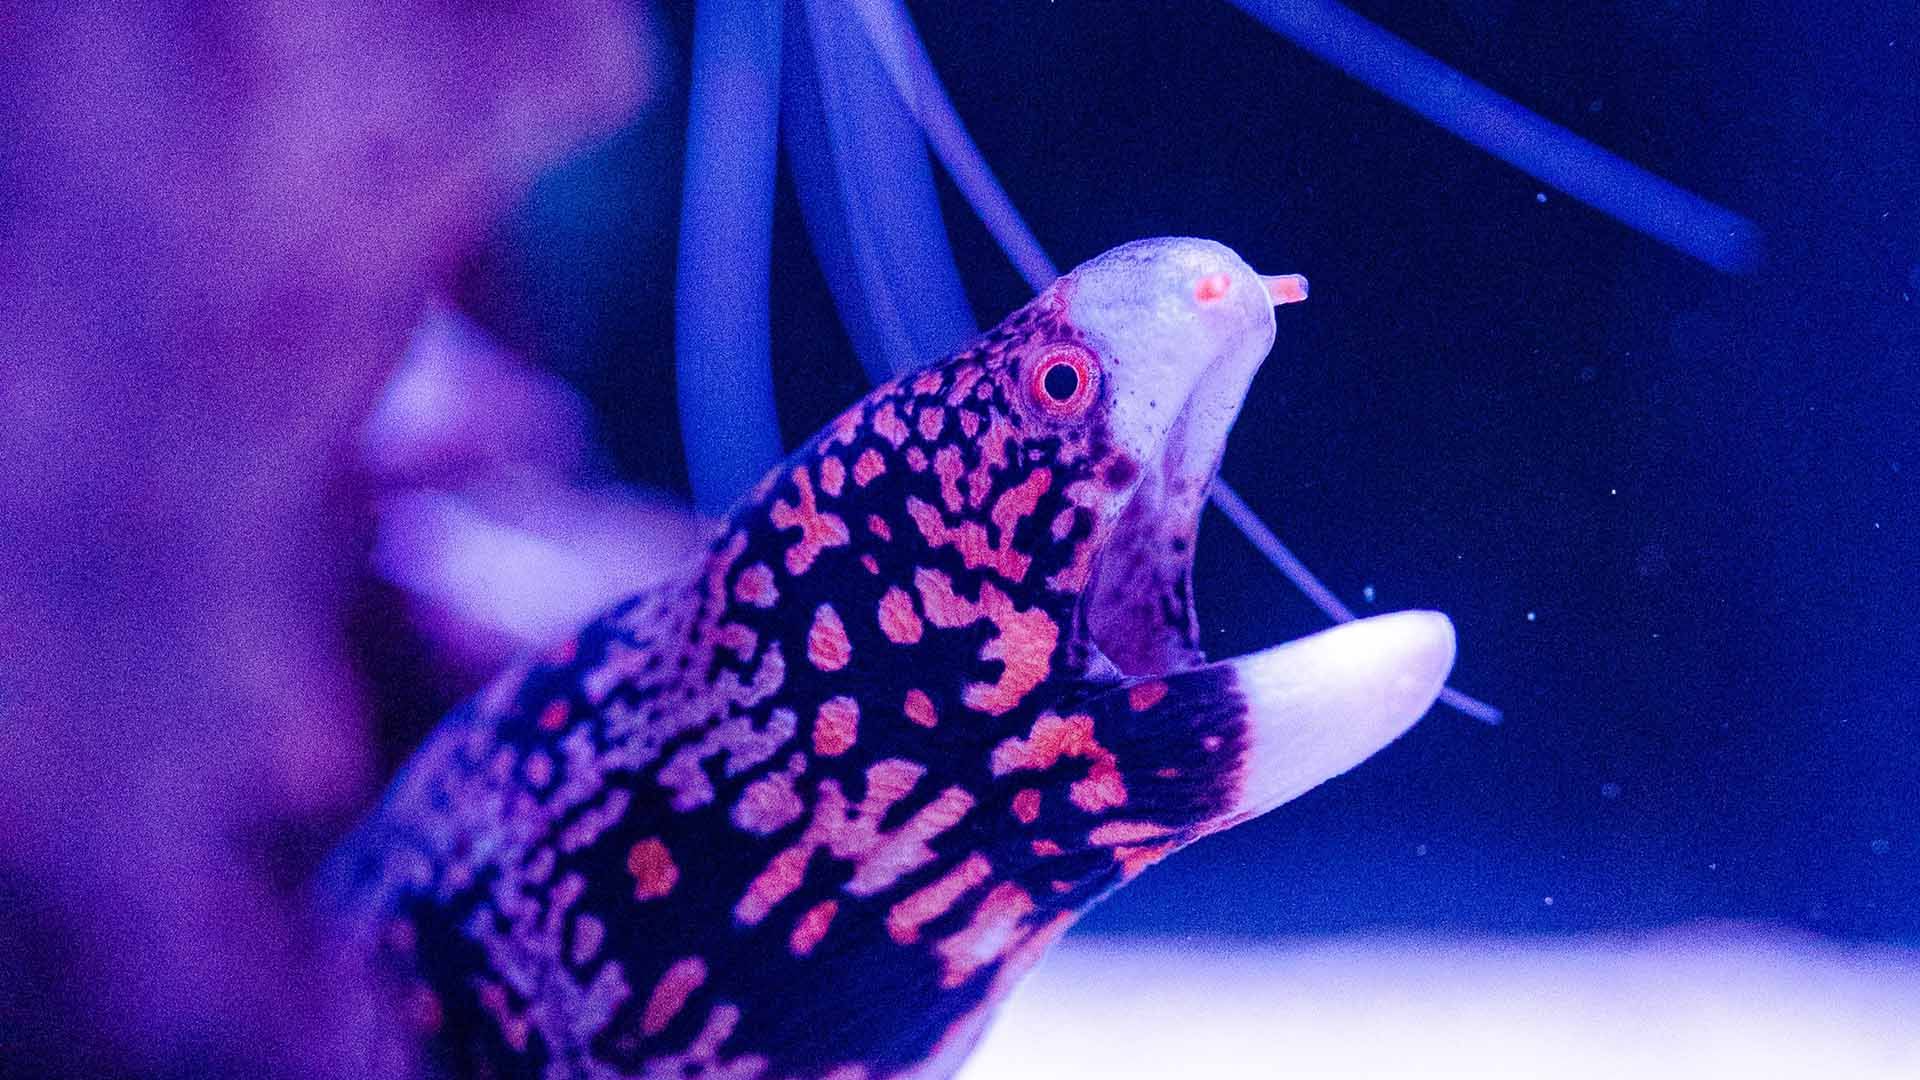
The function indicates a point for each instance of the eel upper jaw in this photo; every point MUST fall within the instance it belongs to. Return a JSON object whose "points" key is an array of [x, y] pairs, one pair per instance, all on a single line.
{"points": [[1182, 361]]}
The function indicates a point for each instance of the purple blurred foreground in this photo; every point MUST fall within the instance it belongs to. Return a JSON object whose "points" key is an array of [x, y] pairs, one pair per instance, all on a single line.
{"points": [[217, 226]]}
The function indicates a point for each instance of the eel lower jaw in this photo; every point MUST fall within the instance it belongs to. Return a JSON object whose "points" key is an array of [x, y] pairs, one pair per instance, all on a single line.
{"points": [[1321, 705]]}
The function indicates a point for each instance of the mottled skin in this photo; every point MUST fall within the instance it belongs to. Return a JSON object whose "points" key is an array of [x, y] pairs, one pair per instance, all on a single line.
{"points": [[809, 811]]}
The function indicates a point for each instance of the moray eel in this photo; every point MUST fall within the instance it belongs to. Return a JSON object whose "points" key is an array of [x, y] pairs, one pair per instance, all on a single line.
{"points": [[810, 810]]}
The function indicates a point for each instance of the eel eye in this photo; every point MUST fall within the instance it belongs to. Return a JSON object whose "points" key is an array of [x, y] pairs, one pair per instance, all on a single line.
{"points": [[1063, 381]]}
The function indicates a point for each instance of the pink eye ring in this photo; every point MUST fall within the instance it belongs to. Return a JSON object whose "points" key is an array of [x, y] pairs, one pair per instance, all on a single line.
{"points": [[1062, 382]]}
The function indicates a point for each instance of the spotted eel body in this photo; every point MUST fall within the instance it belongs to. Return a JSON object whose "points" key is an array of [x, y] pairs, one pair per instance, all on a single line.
{"points": [[812, 808]]}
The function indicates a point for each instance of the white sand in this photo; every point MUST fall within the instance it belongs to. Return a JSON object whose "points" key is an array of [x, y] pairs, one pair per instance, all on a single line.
{"points": [[1707, 1002]]}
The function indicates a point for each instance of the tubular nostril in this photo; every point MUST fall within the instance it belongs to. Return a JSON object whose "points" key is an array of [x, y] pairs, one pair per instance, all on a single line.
{"points": [[1285, 288]]}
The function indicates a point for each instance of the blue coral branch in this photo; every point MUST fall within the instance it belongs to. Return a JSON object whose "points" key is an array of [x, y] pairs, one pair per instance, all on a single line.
{"points": [[867, 194], [722, 330], [1502, 127], [919, 87]]}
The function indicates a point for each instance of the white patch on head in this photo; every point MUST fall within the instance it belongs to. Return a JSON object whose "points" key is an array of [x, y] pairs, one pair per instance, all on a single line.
{"points": [[1169, 355]]}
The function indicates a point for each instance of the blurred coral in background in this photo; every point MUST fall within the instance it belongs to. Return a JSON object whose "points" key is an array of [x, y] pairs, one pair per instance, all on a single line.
{"points": [[497, 526], [220, 224]]}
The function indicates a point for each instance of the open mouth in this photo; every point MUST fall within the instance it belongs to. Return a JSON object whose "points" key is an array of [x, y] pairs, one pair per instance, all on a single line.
{"points": [[1196, 347], [1138, 613], [1314, 707]]}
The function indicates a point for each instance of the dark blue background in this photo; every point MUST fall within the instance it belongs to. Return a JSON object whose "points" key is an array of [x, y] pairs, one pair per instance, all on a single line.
{"points": [[1700, 486]]}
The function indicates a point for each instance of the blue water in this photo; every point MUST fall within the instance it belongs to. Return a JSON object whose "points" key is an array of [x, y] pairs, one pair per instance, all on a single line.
{"points": [[1669, 509]]}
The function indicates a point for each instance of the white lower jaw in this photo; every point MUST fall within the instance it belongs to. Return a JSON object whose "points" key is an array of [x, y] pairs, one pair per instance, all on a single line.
{"points": [[1321, 705]]}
